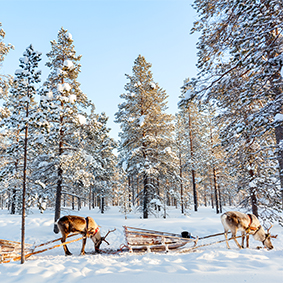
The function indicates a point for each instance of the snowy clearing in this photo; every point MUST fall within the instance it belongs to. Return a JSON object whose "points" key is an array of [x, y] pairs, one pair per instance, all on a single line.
{"points": [[213, 263]]}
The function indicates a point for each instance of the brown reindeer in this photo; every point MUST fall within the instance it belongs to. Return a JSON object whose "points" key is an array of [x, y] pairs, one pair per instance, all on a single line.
{"points": [[85, 226], [247, 224]]}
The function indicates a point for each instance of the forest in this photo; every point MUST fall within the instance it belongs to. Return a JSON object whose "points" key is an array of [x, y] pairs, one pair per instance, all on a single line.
{"points": [[222, 148]]}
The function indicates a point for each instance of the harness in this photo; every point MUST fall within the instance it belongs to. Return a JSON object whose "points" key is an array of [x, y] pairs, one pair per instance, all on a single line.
{"points": [[90, 233], [249, 228]]}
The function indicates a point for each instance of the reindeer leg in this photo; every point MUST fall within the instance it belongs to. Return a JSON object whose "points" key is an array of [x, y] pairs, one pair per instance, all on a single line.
{"points": [[83, 246], [226, 238], [237, 243], [234, 234], [63, 240], [247, 240], [243, 239]]}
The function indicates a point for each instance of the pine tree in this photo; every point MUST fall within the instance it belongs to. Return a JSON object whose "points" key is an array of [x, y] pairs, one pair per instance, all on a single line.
{"points": [[250, 150], [23, 116], [64, 103], [241, 42], [193, 121], [146, 136], [100, 146]]}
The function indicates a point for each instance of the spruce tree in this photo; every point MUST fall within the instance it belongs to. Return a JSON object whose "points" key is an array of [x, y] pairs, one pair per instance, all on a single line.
{"points": [[23, 116], [146, 137], [64, 105], [241, 42]]}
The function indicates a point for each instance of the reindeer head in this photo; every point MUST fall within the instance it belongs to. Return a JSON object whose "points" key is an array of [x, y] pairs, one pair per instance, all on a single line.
{"points": [[97, 239], [267, 242]]}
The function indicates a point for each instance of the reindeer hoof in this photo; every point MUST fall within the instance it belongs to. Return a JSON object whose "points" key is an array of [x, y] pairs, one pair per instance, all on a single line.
{"points": [[66, 254], [82, 253]]}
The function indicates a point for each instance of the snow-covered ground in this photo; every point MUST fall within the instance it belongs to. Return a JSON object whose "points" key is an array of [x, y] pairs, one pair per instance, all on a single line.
{"points": [[213, 263]]}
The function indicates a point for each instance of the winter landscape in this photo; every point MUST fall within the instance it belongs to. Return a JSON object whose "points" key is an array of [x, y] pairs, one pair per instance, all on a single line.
{"points": [[213, 263], [112, 110]]}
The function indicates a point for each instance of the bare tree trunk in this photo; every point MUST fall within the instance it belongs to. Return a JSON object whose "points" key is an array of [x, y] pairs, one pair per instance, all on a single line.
{"points": [[102, 204], [279, 138], [79, 204], [215, 190], [181, 185], [89, 199], [73, 203], [220, 198], [24, 188], [145, 197], [13, 203], [60, 173], [193, 171], [205, 197], [93, 200]]}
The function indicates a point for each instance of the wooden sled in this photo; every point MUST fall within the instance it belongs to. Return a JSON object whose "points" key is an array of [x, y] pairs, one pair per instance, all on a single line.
{"points": [[12, 249], [141, 240]]}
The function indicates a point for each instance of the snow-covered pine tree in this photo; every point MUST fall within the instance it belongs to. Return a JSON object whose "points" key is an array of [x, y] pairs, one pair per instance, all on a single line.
{"points": [[181, 149], [243, 41], [104, 180], [250, 149], [23, 116], [99, 146], [64, 105], [5, 82], [195, 134], [123, 192], [146, 136]]}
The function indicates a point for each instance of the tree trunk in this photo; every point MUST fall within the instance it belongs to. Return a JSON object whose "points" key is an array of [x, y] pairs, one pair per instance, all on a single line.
{"points": [[93, 200], [79, 204], [89, 199], [13, 203], [279, 139], [60, 177], [181, 185], [215, 191], [193, 171], [194, 191], [102, 205], [73, 203], [219, 196], [24, 189], [145, 197]]}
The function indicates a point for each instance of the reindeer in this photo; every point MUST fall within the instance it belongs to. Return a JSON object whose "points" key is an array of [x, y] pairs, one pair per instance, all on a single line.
{"points": [[85, 226], [247, 224]]}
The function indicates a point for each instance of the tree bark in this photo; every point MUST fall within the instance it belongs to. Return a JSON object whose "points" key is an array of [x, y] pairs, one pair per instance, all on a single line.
{"points": [[279, 141], [60, 178], [24, 189], [193, 171], [215, 190], [145, 197], [102, 205], [181, 185]]}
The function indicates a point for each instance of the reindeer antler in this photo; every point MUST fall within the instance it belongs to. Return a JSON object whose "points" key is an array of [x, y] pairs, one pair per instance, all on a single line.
{"points": [[274, 237], [103, 238], [268, 230]]}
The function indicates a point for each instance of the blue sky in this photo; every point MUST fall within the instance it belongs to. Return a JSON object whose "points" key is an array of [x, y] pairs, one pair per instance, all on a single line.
{"points": [[109, 34]]}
